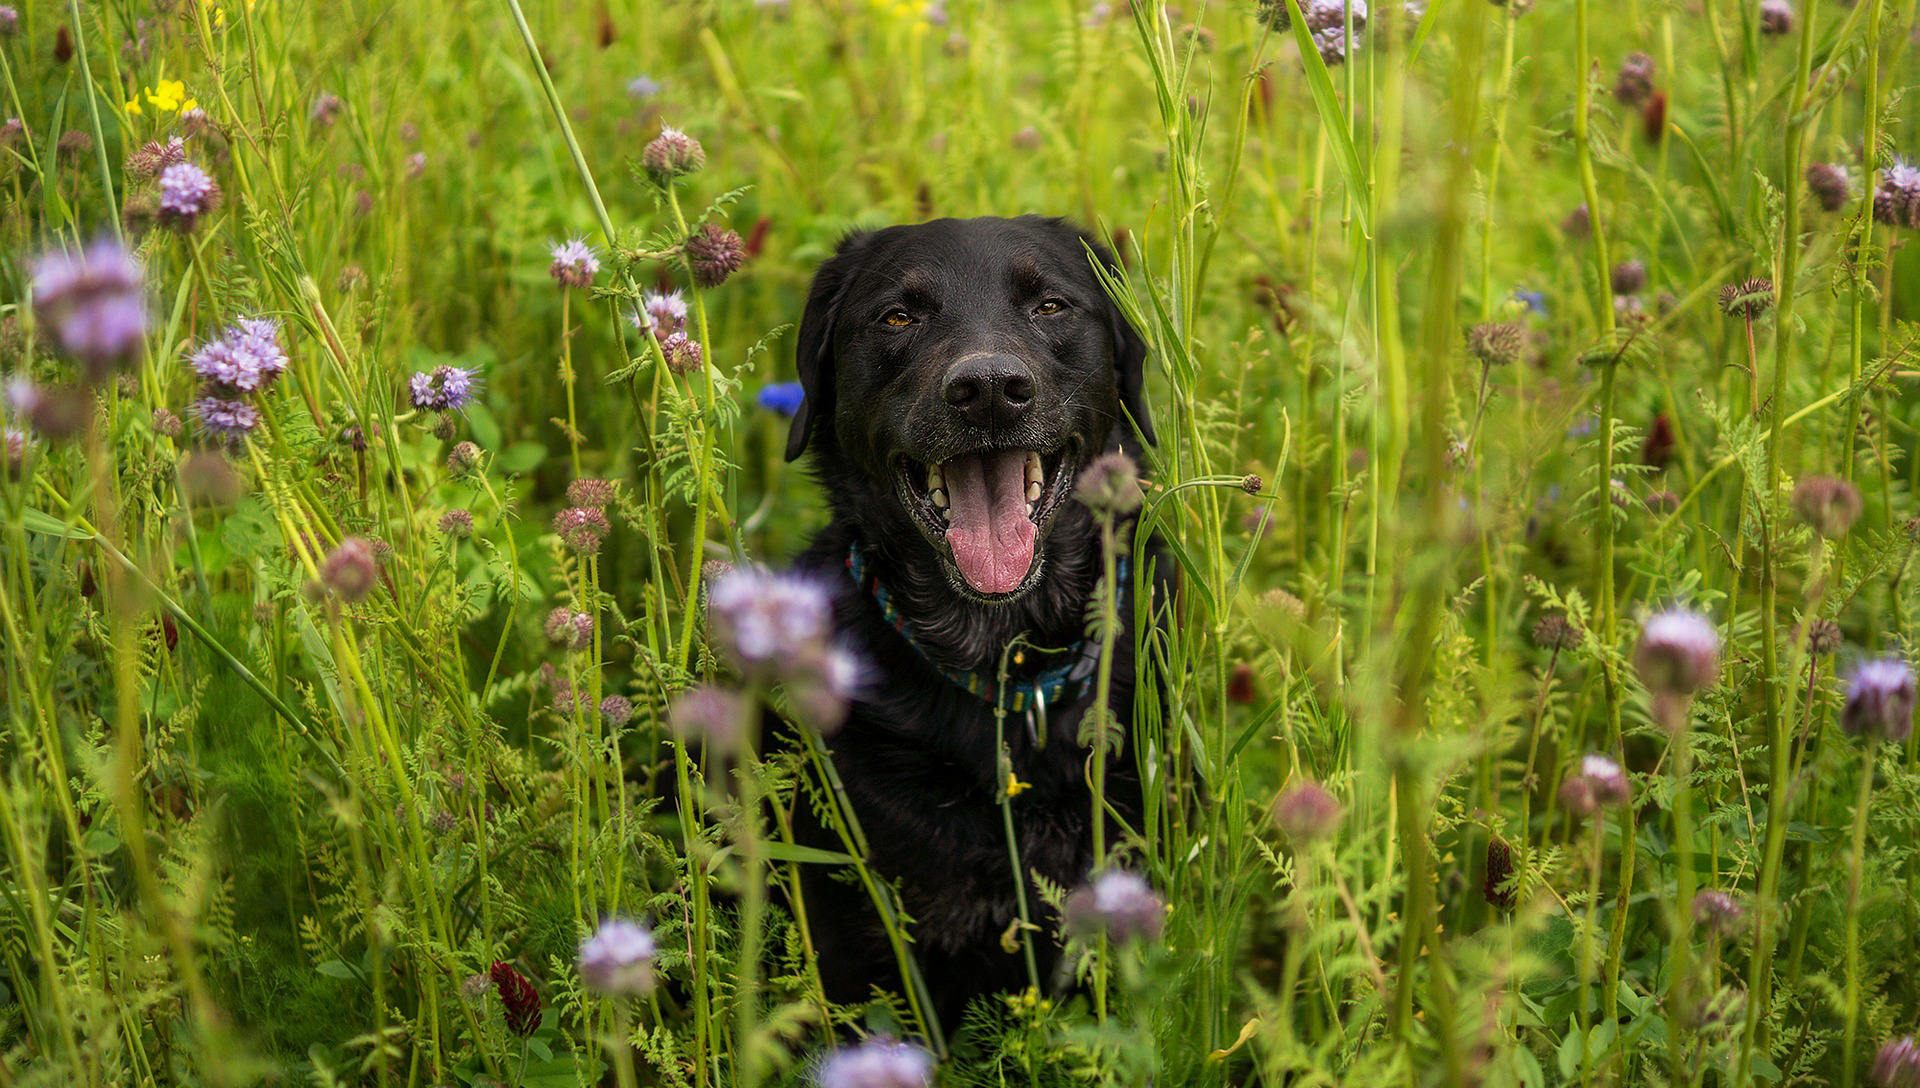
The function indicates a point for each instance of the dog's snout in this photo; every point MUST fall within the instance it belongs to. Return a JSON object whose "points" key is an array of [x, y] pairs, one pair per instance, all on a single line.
{"points": [[990, 390]]}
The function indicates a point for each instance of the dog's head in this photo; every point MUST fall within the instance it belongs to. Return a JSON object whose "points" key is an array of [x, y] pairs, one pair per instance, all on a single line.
{"points": [[958, 375]]}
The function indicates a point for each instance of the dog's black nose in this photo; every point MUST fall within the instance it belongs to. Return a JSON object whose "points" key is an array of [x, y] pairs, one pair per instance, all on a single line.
{"points": [[990, 390]]}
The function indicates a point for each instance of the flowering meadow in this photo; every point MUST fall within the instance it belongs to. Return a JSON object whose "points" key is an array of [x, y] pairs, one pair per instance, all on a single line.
{"points": [[397, 686]]}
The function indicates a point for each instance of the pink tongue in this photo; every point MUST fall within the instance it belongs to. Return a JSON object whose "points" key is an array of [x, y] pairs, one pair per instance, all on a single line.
{"points": [[988, 527]]}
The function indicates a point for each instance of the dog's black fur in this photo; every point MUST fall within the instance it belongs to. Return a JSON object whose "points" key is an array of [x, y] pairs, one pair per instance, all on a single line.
{"points": [[917, 751]]}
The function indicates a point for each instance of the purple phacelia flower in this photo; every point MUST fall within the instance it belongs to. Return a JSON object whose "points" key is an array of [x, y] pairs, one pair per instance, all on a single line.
{"points": [[569, 629], [1776, 17], [229, 421], [1598, 783], [457, 523], [245, 358], [1898, 194], [1679, 653], [616, 710], [672, 154], [186, 193], [821, 694], [1880, 701], [325, 109], [1718, 913], [153, 157], [574, 264], [444, 389], [713, 254], [93, 303], [781, 398], [590, 492], [878, 1063], [709, 715], [617, 961], [582, 528], [682, 353], [350, 569], [1898, 1064], [1118, 903], [767, 623], [661, 312], [1306, 812], [643, 87]]}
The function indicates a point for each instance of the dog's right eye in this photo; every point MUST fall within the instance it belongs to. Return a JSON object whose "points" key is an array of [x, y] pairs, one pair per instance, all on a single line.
{"points": [[898, 319]]}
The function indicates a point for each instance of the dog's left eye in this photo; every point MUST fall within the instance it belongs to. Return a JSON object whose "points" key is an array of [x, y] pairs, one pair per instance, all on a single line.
{"points": [[1050, 306], [898, 319]]}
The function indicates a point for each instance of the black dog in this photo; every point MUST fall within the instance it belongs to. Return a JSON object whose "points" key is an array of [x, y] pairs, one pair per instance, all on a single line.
{"points": [[959, 374]]}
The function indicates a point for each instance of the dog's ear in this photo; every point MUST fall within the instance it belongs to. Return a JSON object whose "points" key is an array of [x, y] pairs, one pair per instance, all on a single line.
{"points": [[813, 354], [1129, 350]]}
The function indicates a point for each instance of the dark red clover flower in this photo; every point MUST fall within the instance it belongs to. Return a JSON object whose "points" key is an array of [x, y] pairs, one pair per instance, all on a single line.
{"points": [[519, 1001]]}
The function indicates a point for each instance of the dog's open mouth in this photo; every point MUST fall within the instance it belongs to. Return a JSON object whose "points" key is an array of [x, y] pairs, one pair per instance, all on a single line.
{"points": [[988, 506]]}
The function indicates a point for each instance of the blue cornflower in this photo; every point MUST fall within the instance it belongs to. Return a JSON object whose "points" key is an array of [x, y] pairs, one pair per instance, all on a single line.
{"points": [[781, 397], [446, 389]]}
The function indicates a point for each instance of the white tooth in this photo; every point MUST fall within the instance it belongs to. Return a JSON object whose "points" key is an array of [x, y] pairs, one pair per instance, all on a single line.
{"points": [[1029, 509], [938, 497], [935, 478], [1035, 471], [1033, 490]]}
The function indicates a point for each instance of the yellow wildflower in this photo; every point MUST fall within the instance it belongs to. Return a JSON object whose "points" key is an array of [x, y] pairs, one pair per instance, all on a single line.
{"points": [[169, 96], [133, 106], [1014, 785]]}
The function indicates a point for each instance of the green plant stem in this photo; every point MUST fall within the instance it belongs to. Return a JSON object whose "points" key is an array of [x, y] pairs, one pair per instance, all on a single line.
{"points": [[1856, 878]]}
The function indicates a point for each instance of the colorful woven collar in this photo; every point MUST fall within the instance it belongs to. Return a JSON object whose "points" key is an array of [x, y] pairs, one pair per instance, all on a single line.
{"points": [[1046, 689]]}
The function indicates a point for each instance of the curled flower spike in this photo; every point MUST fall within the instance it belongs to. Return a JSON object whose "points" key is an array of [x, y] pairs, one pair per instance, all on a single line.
{"points": [[616, 710], [1679, 653], [590, 492], [1747, 300], [1829, 184], [1634, 85], [1118, 903], [569, 629], [349, 571], [1497, 343], [714, 253], [1880, 701], [457, 523], [1629, 277], [1554, 632], [618, 959], [582, 528], [1776, 17], [1897, 195], [672, 154]]}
